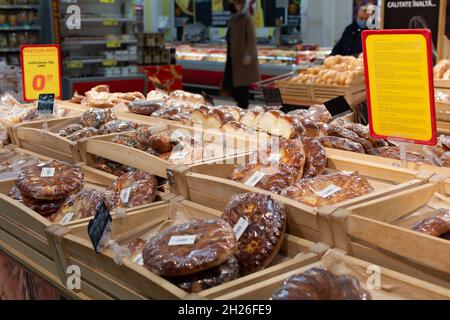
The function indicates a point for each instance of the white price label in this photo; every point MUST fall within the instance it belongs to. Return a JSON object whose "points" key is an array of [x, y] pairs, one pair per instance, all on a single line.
{"points": [[67, 218], [47, 172], [255, 178], [240, 228], [139, 259], [328, 191], [182, 240], [125, 195]]}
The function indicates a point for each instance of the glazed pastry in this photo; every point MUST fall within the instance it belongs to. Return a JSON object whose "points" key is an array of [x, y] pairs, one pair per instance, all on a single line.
{"points": [[96, 117], [316, 157], [82, 205], [342, 144], [146, 107], [116, 126], [43, 207], [83, 133], [70, 129]]}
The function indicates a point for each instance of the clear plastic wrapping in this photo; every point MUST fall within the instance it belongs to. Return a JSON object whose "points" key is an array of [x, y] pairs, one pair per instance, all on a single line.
{"points": [[83, 133], [43, 207], [158, 95], [188, 97], [146, 107], [320, 113], [273, 178], [112, 167], [214, 243], [321, 284], [116, 126], [262, 238], [81, 205], [129, 141], [341, 144], [338, 131], [131, 190], [435, 226], [329, 189], [97, 117], [316, 157], [66, 180], [70, 129], [394, 153]]}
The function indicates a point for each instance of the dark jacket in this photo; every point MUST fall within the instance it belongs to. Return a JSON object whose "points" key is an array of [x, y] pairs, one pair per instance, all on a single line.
{"points": [[350, 43], [241, 32]]}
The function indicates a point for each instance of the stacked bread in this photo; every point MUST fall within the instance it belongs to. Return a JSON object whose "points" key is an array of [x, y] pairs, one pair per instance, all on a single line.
{"points": [[441, 71], [101, 97], [336, 70]]}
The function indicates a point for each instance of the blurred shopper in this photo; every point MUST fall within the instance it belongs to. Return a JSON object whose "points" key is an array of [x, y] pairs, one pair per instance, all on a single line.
{"points": [[351, 44], [242, 67]]}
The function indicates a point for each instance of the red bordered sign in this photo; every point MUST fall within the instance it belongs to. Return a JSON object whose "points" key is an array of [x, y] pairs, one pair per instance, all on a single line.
{"points": [[400, 87], [41, 71]]}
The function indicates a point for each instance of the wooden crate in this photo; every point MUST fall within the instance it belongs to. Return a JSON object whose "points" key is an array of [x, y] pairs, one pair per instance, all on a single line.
{"points": [[310, 94], [378, 231], [102, 146], [41, 137], [131, 281], [442, 111], [208, 185], [394, 285]]}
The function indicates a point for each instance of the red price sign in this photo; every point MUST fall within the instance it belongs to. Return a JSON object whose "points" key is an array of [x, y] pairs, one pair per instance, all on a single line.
{"points": [[41, 70]]}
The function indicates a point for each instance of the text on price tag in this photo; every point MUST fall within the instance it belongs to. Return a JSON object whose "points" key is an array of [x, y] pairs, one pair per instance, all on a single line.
{"points": [[125, 195], [240, 228], [47, 172], [182, 240], [329, 191]]}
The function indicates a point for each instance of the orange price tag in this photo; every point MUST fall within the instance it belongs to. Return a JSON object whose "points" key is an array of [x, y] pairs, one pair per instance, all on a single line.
{"points": [[41, 70]]}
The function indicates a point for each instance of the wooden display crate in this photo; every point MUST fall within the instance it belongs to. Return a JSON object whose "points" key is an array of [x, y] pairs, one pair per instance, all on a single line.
{"points": [[208, 185], [442, 111], [131, 281], [378, 231], [102, 146], [394, 285], [309, 94]]}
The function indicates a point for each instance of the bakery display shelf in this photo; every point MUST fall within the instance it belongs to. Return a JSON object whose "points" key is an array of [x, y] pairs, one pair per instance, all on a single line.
{"points": [[379, 231], [394, 285], [209, 185], [309, 94], [132, 281], [95, 42], [20, 28], [19, 7], [8, 50]]}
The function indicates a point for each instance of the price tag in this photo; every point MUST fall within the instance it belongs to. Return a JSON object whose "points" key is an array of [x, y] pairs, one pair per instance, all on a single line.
{"points": [[329, 191], [255, 178], [182, 240], [100, 226], [240, 228], [74, 64], [125, 195], [46, 103], [113, 43], [109, 63], [139, 259], [47, 172], [41, 70], [272, 97], [110, 22], [67, 218]]}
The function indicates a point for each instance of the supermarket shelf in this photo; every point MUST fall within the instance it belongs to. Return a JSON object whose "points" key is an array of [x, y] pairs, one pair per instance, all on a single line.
{"points": [[100, 60], [103, 19], [9, 50], [95, 42], [21, 28], [18, 6], [106, 78]]}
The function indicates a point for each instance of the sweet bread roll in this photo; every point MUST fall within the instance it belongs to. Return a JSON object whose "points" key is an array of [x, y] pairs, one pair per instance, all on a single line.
{"points": [[316, 157], [43, 207], [328, 189], [77, 98], [217, 118], [268, 121], [158, 95], [235, 112], [320, 113], [145, 107], [210, 278], [434, 226], [337, 131], [162, 142], [394, 153], [142, 188], [273, 178], [199, 115], [83, 133], [188, 97], [136, 248], [262, 238], [111, 167], [301, 113], [129, 141], [96, 117], [185, 154], [234, 127], [251, 118], [213, 245], [50, 180], [101, 88], [341, 144], [312, 130], [70, 129], [320, 284], [82, 205], [288, 127], [116, 126]]}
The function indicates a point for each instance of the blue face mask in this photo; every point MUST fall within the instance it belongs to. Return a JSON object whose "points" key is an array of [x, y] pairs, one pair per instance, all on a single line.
{"points": [[361, 23]]}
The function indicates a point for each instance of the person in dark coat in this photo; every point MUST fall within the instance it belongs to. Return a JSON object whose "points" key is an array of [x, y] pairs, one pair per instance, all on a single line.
{"points": [[242, 66], [350, 43]]}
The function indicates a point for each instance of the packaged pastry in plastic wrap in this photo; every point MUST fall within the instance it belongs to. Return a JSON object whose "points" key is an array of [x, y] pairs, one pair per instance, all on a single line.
{"points": [[43, 207], [79, 206], [116, 126], [143, 135], [436, 226], [83, 133], [188, 97], [146, 107], [210, 278], [50, 180], [131, 190], [70, 129], [273, 178], [11, 163], [129, 141], [329, 189], [189, 248], [394, 153], [112, 167], [321, 284], [316, 157], [338, 131], [320, 113], [341, 144], [97, 117], [158, 95], [259, 222]]}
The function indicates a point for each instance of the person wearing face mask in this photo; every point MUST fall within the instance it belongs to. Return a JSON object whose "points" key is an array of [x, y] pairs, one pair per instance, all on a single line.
{"points": [[350, 43], [242, 66]]}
